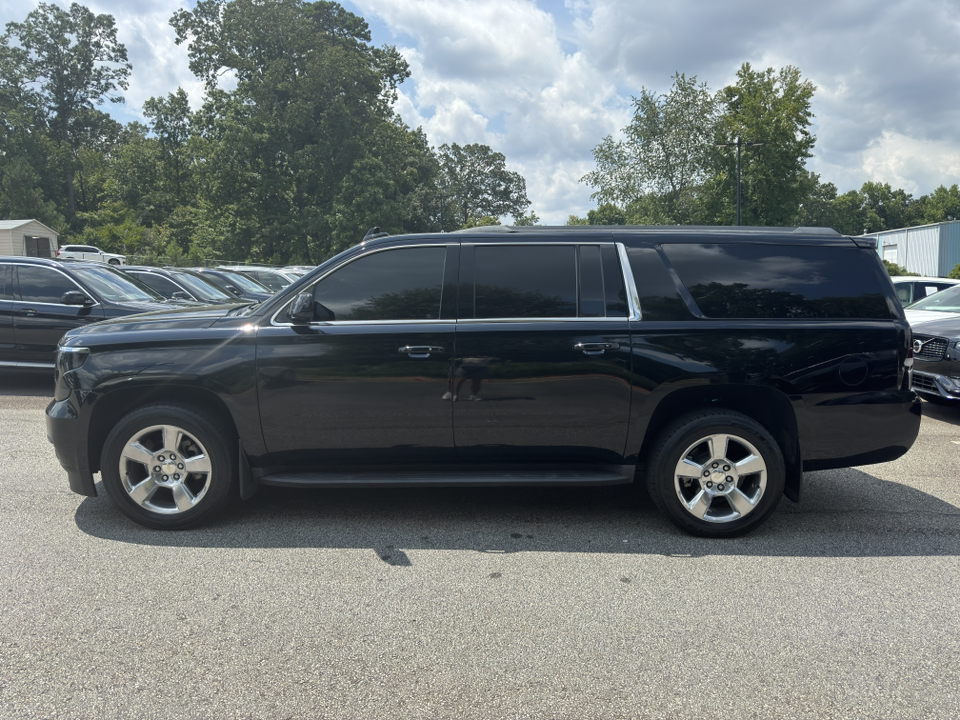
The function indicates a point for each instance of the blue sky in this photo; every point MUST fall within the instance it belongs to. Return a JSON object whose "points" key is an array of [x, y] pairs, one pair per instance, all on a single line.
{"points": [[544, 81]]}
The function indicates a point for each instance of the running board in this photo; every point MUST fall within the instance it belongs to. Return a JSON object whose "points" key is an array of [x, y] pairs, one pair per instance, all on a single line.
{"points": [[615, 475]]}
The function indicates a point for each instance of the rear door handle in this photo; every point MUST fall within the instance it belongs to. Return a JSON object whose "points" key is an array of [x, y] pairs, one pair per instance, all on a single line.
{"points": [[29, 312], [595, 348], [420, 351]]}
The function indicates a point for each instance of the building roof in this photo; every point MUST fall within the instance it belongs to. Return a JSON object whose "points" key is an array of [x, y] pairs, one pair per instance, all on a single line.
{"points": [[14, 224]]}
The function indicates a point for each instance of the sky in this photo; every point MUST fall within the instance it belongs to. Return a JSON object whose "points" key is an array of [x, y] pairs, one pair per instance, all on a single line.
{"points": [[544, 81]]}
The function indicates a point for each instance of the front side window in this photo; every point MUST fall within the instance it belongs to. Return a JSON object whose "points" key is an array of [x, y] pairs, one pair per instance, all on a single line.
{"points": [[42, 285], [399, 284]]}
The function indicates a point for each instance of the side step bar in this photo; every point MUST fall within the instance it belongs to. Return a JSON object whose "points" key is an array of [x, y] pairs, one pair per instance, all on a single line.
{"points": [[611, 475]]}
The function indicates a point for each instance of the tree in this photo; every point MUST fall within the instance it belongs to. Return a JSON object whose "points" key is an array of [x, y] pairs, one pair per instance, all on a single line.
{"points": [[772, 108], [308, 126], [942, 204], [474, 183], [665, 151], [75, 61]]}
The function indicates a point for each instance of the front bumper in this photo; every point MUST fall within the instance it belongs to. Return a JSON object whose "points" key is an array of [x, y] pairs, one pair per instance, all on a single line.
{"points": [[933, 384], [69, 443]]}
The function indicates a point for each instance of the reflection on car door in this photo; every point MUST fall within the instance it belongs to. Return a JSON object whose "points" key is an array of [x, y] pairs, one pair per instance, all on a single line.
{"points": [[40, 319], [364, 381], [543, 340]]}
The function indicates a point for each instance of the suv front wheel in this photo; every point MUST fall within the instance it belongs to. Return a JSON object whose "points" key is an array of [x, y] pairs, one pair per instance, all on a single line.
{"points": [[168, 466], [716, 474]]}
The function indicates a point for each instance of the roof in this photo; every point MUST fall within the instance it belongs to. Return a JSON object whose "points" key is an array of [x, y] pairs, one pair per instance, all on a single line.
{"points": [[14, 224]]}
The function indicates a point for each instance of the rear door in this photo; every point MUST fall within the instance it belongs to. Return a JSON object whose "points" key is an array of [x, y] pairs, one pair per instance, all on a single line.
{"points": [[543, 354]]}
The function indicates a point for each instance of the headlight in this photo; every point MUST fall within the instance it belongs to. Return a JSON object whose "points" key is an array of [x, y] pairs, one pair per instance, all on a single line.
{"points": [[71, 358]]}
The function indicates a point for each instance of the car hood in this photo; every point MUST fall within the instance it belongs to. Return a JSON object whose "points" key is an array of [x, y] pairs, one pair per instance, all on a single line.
{"points": [[180, 318], [944, 325], [922, 318]]}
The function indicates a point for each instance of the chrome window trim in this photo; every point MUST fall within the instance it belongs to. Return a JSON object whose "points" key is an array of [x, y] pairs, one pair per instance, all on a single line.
{"points": [[18, 364], [371, 251], [56, 270], [633, 297]]}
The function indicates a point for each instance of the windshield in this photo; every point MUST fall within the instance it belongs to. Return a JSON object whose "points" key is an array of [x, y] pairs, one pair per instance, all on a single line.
{"points": [[274, 281], [244, 283], [201, 289], [944, 301], [114, 286]]}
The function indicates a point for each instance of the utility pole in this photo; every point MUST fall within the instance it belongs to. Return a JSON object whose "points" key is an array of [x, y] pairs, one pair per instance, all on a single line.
{"points": [[739, 144]]}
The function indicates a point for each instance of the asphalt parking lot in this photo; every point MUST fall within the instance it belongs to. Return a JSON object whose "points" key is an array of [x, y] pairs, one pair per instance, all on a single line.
{"points": [[482, 602]]}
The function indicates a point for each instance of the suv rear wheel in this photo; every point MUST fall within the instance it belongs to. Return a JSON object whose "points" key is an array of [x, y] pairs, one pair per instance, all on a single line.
{"points": [[716, 474], [168, 466]]}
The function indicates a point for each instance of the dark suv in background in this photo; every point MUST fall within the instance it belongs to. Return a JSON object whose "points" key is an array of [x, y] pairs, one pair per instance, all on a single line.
{"points": [[720, 363], [40, 299]]}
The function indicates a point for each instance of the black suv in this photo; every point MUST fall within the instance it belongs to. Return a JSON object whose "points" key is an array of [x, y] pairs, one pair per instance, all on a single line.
{"points": [[40, 299], [721, 363]]}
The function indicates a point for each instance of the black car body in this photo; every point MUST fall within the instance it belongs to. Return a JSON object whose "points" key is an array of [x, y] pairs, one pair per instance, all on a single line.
{"points": [[41, 299], [172, 284], [721, 363]]}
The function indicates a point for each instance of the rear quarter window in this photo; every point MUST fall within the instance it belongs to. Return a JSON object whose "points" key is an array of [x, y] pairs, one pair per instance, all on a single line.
{"points": [[780, 281]]}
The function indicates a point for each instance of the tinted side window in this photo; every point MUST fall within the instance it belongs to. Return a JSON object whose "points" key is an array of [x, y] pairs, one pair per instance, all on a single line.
{"points": [[524, 281], [40, 284], [659, 298], [780, 281], [6, 289], [400, 284], [158, 283]]}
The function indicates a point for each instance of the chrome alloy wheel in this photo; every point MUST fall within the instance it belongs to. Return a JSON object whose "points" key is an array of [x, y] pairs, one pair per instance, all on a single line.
{"points": [[720, 478], [165, 469]]}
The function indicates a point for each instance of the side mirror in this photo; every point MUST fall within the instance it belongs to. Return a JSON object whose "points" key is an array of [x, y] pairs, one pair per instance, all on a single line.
{"points": [[234, 290], [301, 309], [75, 297], [181, 295]]}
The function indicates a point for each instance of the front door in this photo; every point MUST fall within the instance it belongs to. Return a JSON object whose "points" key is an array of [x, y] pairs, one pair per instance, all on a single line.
{"points": [[364, 382]]}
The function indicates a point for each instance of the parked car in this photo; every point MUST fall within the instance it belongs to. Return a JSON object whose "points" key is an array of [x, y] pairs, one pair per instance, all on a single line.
{"points": [[89, 252], [936, 331], [720, 363], [271, 278], [172, 284], [910, 289], [299, 270], [236, 284], [41, 299]]}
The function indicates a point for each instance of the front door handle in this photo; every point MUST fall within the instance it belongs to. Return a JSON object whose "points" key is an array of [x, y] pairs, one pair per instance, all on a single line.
{"points": [[595, 348], [420, 351], [29, 312]]}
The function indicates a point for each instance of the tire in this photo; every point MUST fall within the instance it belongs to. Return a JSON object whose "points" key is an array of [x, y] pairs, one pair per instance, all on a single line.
{"points": [[716, 474], [113, 261], [169, 467]]}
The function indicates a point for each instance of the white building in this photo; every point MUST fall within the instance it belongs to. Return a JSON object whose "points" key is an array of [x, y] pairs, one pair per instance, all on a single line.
{"points": [[27, 237], [929, 250]]}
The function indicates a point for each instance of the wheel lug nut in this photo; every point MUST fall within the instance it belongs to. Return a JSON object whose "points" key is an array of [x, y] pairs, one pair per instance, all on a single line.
{"points": [[180, 465], [714, 465], [706, 473], [166, 477], [726, 468], [174, 457], [157, 469], [176, 476], [720, 487], [709, 484], [729, 479], [160, 458]]}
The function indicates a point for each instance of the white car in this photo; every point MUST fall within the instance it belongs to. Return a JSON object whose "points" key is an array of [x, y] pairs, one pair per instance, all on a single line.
{"points": [[911, 288], [89, 252], [942, 305]]}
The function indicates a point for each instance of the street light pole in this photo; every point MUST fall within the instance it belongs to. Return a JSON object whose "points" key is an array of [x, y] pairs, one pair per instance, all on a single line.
{"points": [[739, 144]]}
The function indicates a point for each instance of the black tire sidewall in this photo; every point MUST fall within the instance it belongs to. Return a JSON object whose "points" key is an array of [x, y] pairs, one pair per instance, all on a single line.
{"points": [[676, 439], [211, 435]]}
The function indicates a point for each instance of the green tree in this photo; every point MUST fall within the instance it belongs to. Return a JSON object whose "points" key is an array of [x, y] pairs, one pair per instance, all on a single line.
{"points": [[74, 61], [474, 183], [665, 152], [942, 204], [308, 126], [770, 107]]}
